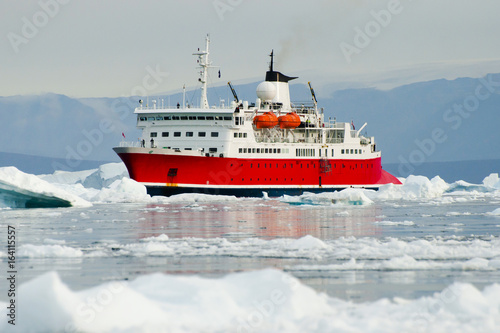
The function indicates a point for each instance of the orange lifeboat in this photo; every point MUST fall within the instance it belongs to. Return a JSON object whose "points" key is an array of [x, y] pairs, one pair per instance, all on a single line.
{"points": [[266, 120], [290, 120]]}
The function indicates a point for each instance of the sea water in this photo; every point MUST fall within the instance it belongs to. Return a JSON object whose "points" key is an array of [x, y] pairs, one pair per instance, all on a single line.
{"points": [[424, 257]]}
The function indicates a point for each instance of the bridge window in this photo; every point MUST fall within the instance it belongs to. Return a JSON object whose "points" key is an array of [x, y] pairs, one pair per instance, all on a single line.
{"points": [[210, 118], [202, 134], [228, 118], [167, 118], [212, 150], [184, 118], [201, 117], [177, 134], [192, 117], [153, 134], [176, 118], [214, 134], [164, 134], [189, 134]]}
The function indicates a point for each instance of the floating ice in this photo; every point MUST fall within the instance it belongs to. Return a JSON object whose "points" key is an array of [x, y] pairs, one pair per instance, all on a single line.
{"points": [[48, 251], [259, 301], [349, 196], [22, 190], [436, 251], [414, 187], [492, 181], [496, 212]]}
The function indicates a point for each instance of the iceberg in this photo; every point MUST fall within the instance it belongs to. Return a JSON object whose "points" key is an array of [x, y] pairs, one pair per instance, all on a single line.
{"points": [[22, 190]]}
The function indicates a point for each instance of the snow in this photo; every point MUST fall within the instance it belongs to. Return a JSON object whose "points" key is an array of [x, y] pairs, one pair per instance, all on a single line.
{"points": [[258, 301]]}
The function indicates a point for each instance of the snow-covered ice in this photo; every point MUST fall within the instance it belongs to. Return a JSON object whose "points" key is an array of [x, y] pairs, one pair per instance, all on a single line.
{"points": [[259, 301]]}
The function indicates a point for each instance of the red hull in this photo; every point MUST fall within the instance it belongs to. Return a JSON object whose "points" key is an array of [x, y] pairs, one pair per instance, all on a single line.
{"points": [[158, 170]]}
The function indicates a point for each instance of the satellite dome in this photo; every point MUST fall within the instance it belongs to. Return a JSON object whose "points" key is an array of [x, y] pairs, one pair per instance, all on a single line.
{"points": [[266, 91]]}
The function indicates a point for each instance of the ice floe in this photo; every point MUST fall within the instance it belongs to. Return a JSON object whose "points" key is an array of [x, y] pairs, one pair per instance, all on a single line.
{"points": [[258, 301]]}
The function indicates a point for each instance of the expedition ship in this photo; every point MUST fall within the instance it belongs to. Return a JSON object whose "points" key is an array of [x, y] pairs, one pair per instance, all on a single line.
{"points": [[272, 145]]}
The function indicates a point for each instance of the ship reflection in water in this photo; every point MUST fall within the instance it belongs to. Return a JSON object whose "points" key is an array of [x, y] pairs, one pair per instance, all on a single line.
{"points": [[269, 219]]}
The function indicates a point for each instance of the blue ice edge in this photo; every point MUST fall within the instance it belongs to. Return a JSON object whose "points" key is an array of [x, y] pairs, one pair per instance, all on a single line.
{"points": [[15, 197]]}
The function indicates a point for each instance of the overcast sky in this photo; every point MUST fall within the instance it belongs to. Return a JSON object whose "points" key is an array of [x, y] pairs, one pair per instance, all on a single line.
{"points": [[98, 48]]}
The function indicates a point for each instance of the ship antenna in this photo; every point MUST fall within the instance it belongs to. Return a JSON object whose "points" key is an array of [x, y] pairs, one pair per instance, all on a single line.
{"points": [[205, 65], [272, 61]]}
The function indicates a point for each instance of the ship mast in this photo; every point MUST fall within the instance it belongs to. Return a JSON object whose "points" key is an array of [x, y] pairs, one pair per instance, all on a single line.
{"points": [[204, 65]]}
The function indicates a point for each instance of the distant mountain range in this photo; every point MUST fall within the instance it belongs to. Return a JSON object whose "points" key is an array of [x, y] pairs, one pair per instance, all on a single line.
{"points": [[416, 125]]}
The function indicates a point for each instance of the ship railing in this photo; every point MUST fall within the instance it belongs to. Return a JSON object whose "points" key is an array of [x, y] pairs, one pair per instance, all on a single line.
{"points": [[131, 144], [334, 124], [334, 140]]}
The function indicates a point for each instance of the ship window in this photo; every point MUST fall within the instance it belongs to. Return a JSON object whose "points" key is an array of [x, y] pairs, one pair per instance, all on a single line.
{"points": [[184, 118], [143, 118], [267, 150], [251, 165], [214, 134], [167, 118], [188, 148], [218, 118], [274, 150], [235, 135], [153, 134], [176, 118], [151, 118], [210, 118], [244, 150], [228, 118], [253, 150], [342, 151], [258, 150], [192, 117], [239, 135], [177, 134], [333, 150], [351, 151], [164, 134], [240, 150], [279, 151], [244, 135], [159, 118], [201, 117], [202, 134], [189, 134], [212, 150]]}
